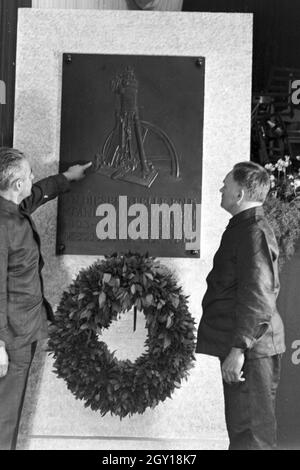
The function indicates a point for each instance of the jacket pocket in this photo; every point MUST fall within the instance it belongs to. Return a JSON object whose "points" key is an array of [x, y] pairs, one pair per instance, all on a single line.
{"points": [[22, 317]]}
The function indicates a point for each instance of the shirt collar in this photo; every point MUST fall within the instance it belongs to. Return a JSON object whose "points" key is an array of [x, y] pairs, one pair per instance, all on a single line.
{"points": [[253, 212], [9, 206]]}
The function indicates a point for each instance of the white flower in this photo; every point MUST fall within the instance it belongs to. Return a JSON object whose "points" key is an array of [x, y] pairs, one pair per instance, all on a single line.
{"points": [[297, 183], [269, 167], [280, 165]]}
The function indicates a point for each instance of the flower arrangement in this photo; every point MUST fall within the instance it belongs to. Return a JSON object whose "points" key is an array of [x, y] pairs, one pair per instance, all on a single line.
{"points": [[283, 204], [285, 180]]}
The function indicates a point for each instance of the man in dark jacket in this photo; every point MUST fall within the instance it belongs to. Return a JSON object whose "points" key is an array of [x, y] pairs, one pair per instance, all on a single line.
{"points": [[240, 322], [23, 308]]}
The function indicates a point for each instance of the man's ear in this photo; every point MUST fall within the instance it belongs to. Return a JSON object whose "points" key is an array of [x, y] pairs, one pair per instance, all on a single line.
{"points": [[17, 185], [240, 196]]}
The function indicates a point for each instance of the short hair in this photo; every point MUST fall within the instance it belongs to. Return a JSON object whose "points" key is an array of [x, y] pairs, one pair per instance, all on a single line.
{"points": [[254, 179], [10, 166]]}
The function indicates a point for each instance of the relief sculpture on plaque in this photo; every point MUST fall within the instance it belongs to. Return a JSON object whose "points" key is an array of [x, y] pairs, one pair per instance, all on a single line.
{"points": [[139, 119]]}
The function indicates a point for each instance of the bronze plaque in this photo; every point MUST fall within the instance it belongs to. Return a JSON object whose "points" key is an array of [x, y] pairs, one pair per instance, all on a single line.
{"points": [[140, 120]]}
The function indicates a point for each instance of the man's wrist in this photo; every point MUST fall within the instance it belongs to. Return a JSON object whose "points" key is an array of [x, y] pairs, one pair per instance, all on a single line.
{"points": [[67, 175], [242, 342]]}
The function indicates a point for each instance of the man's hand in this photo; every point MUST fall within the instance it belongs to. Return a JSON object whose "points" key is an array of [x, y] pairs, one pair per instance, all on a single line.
{"points": [[76, 172], [232, 366], [3, 362]]}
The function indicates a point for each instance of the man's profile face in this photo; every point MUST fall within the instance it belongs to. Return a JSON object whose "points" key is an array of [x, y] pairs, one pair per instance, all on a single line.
{"points": [[26, 180], [230, 193]]}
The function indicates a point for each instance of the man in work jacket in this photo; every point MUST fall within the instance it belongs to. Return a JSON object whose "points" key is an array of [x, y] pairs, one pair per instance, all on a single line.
{"points": [[240, 322], [24, 311]]}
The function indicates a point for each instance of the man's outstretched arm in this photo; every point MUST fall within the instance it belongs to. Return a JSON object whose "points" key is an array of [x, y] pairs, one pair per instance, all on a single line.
{"points": [[49, 188]]}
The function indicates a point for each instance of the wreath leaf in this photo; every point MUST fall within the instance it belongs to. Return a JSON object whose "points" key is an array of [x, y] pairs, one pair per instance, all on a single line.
{"points": [[102, 299]]}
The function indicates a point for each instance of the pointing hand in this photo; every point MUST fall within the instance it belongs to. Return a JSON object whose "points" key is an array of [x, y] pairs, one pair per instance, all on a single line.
{"points": [[76, 172]]}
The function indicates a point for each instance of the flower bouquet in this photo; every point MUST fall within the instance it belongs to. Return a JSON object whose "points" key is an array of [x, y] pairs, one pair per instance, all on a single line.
{"points": [[282, 206]]}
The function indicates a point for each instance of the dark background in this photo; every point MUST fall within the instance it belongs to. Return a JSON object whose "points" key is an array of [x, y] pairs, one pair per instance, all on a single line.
{"points": [[276, 32]]}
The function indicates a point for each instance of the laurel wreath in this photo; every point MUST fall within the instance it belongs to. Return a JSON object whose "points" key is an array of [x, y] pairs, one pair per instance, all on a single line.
{"points": [[98, 296]]}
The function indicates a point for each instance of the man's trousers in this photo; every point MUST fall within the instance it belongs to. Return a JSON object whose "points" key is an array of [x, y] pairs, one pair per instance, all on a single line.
{"points": [[12, 393], [250, 405]]}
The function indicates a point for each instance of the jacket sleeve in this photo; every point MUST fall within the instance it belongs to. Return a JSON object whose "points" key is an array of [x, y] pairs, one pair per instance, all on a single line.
{"points": [[256, 292], [45, 190], [3, 285]]}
